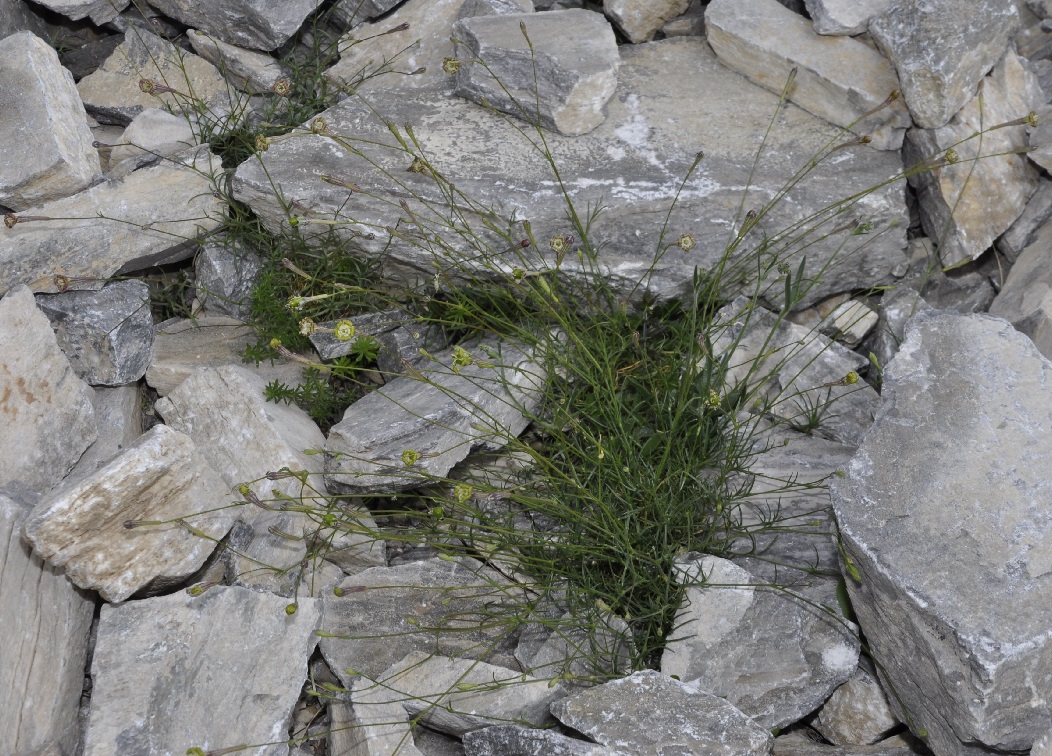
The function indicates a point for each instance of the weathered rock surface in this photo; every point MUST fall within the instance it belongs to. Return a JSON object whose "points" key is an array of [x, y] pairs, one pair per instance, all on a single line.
{"points": [[225, 274], [256, 24], [44, 621], [942, 49], [45, 144], [351, 13], [119, 420], [249, 71], [98, 11], [107, 334], [214, 671], [648, 714], [563, 74], [46, 416], [16, 16], [838, 78], [967, 204], [157, 482], [511, 740], [961, 630], [420, 426], [1025, 298], [858, 712], [643, 138], [151, 135], [844, 17], [639, 20], [1021, 233], [896, 308], [117, 226]]}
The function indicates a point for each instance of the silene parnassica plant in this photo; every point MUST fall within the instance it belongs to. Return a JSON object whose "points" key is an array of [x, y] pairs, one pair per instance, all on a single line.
{"points": [[641, 447]]}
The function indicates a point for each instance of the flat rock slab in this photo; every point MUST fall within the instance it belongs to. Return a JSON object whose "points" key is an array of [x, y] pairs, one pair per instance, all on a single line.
{"points": [[116, 226], [774, 656], [45, 621], [673, 100], [649, 714], [510, 740], [213, 671], [45, 142], [1024, 299], [844, 17], [945, 515], [640, 20], [435, 606], [160, 479], [436, 418], [838, 78], [99, 11], [46, 416], [256, 24]]}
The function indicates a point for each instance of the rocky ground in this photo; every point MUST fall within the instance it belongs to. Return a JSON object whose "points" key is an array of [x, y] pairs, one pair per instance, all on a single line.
{"points": [[140, 462]]}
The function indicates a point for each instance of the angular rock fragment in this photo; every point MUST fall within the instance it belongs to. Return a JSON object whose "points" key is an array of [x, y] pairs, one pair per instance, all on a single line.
{"points": [[249, 71], [771, 654], [98, 11], [153, 216], [380, 729], [351, 13], [639, 20], [944, 517], [648, 712], [225, 273], [159, 483], [958, 207], [563, 73], [942, 49], [214, 671], [16, 16], [1021, 233], [1026, 298], [139, 74], [673, 99], [46, 414], [844, 17], [511, 740], [152, 135], [107, 334], [896, 308], [473, 8], [46, 150], [837, 78], [858, 712], [45, 623], [579, 649], [255, 24], [435, 606], [420, 426]]}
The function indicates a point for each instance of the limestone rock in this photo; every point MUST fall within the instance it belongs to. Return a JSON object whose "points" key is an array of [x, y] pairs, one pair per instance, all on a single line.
{"points": [[896, 308], [16, 16], [473, 8], [224, 274], [368, 627], [1021, 233], [249, 71], [769, 653], [46, 415], [1025, 299], [439, 415], [571, 73], [844, 17], [966, 205], [45, 144], [511, 740], [858, 712], [45, 622], [351, 13], [161, 478], [838, 78], [641, 19], [1040, 139], [98, 11], [116, 93], [152, 135], [673, 100], [66, 245], [649, 713], [118, 417], [942, 49], [214, 671], [255, 24], [107, 334], [958, 621]]}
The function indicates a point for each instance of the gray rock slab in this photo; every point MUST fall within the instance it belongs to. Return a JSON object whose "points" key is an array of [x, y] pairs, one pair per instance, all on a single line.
{"points": [[838, 79], [249, 71], [568, 65], [511, 740], [858, 712], [152, 135], [213, 671], [959, 208], [1043, 745], [45, 143], [634, 164], [98, 11], [1021, 233], [797, 370], [796, 744], [896, 308], [46, 414], [458, 696], [438, 416], [45, 622], [1025, 299], [115, 227], [958, 621], [1040, 139], [578, 649], [649, 714], [182, 346], [16, 16], [118, 418], [115, 92], [435, 606], [351, 13], [771, 654], [473, 8], [941, 50], [107, 334], [161, 478], [255, 24], [844, 17], [640, 20], [225, 273]]}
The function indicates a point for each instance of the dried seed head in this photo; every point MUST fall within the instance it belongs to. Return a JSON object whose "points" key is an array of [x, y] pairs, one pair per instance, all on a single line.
{"points": [[319, 126], [686, 242], [282, 86], [451, 66]]}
